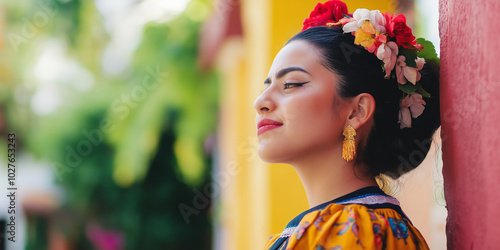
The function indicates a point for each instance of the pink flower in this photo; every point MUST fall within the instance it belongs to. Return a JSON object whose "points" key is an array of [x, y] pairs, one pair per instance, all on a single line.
{"points": [[104, 239], [406, 73], [379, 40], [411, 106], [388, 53]]}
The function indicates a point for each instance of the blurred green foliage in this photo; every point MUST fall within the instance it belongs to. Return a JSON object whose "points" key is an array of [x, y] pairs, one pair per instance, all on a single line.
{"points": [[125, 163]]}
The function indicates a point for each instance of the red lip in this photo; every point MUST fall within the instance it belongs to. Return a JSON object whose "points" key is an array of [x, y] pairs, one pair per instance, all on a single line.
{"points": [[267, 124]]}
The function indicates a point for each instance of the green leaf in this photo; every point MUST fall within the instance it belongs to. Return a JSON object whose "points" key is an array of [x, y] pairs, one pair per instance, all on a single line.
{"points": [[407, 88], [410, 55], [429, 51]]}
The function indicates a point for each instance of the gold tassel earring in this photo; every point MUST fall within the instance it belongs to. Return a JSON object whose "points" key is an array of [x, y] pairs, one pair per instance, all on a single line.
{"points": [[349, 144]]}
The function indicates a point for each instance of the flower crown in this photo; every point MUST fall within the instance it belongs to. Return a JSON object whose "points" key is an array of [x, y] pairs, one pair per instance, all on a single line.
{"points": [[391, 40]]}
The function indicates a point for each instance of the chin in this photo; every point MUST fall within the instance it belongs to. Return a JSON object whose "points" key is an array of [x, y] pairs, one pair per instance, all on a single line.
{"points": [[271, 157]]}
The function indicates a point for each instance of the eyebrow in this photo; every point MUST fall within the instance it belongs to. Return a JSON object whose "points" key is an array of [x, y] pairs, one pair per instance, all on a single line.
{"points": [[285, 71]]}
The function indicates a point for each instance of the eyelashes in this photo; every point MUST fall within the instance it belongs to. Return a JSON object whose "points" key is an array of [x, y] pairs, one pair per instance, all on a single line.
{"points": [[295, 84], [289, 85]]}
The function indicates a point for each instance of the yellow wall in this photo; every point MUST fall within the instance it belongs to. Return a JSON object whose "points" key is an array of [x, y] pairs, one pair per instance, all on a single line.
{"points": [[260, 198]]}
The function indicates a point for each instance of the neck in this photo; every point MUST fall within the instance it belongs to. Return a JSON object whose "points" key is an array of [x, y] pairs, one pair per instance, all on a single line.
{"points": [[326, 176]]}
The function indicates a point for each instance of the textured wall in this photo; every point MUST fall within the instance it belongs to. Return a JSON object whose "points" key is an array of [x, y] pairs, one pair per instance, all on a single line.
{"points": [[470, 85]]}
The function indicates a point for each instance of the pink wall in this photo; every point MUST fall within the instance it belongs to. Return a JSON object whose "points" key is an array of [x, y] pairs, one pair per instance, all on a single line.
{"points": [[470, 111]]}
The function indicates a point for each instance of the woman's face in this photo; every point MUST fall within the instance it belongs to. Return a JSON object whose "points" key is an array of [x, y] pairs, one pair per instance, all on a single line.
{"points": [[299, 93]]}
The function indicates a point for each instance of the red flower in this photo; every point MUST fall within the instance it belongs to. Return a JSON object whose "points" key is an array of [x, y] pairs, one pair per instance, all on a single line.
{"points": [[396, 27], [330, 12]]}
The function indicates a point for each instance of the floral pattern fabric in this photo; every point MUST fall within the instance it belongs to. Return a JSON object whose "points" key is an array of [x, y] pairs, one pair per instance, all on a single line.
{"points": [[352, 226]]}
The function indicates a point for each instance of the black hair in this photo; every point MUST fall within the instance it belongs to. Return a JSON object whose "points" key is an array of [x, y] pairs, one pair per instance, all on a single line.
{"points": [[388, 149]]}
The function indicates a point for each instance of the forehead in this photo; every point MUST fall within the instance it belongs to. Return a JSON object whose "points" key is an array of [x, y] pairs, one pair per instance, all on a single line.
{"points": [[297, 53]]}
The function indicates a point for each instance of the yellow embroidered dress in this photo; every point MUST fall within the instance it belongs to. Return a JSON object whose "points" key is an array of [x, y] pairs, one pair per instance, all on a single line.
{"points": [[364, 219]]}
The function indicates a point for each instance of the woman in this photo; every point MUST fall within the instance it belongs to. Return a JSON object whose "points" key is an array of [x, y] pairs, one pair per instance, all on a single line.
{"points": [[349, 98]]}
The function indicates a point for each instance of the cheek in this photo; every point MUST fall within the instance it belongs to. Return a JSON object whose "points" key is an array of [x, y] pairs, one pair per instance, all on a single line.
{"points": [[313, 112], [310, 125]]}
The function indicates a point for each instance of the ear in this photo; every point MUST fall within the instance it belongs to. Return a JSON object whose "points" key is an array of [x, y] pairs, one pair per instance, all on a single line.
{"points": [[363, 107]]}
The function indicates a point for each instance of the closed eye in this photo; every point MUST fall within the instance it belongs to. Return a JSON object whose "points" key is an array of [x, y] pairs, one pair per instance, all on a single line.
{"points": [[295, 84]]}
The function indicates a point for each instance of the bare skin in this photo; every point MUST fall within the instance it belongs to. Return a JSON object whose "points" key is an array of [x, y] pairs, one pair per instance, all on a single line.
{"points": [[313, 117]]}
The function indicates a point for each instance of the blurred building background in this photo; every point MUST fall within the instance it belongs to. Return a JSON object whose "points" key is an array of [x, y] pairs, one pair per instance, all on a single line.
{"points": [[135, 127]]}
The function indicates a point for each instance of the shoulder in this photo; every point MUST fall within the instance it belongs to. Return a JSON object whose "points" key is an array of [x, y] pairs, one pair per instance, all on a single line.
{"points": [[355, 226], [270, 241]]}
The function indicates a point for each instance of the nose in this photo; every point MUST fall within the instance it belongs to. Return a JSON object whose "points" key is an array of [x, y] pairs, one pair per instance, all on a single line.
{"points": [[264, 102]]}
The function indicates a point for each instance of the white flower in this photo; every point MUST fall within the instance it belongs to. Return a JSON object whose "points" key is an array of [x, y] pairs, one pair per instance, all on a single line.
{"points": [[388, 53], [362, 15]]}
